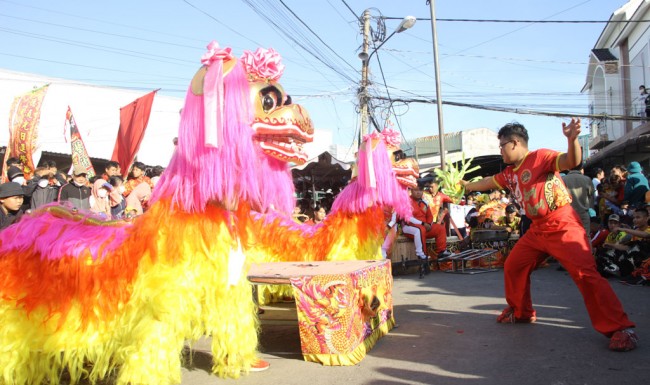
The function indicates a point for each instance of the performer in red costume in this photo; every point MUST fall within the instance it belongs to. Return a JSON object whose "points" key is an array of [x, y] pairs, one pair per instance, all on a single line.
{"points": [[422, 226], [556, 230], [435, 199]]}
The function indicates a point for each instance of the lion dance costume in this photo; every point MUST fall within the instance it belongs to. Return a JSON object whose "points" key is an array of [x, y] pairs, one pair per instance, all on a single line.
{"points": [[99, 299], [94, 298], [354, 229]]}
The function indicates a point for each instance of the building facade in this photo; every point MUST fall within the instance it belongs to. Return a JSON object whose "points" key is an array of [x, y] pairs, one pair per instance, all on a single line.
{"points": [[619, 63], [470, 143]]}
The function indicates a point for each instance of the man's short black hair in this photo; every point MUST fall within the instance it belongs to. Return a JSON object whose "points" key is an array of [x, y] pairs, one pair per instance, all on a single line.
{"points": [[112, 163], [514, 129], [115, 180], [597, 171], [139, 165]]}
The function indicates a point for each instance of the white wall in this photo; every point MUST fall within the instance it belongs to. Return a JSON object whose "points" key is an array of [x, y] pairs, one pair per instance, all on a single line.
{"points": [[322, 142], [479, 142], [475, 142]]}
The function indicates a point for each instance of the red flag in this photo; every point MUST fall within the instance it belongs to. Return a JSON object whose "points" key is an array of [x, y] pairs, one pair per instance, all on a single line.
{"points": [[134, 118], [79, 153]]}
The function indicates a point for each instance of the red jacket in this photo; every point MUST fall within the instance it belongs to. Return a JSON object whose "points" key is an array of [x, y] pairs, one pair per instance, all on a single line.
{"points": [[598, 239], [421, 211]]}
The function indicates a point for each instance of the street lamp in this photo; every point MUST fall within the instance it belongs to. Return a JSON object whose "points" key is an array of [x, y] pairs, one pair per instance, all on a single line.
{"points": [[405, 24]]}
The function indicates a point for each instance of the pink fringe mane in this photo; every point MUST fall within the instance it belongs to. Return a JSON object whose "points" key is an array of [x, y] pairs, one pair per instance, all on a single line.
{"points": [[235, 171], [359, 196]]}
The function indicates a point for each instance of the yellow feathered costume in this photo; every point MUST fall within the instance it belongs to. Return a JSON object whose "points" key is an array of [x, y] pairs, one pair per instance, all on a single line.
{"points": [[96, 299]]}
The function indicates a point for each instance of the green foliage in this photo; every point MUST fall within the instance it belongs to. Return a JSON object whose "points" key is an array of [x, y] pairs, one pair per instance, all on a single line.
{"points": [[451, 177]]}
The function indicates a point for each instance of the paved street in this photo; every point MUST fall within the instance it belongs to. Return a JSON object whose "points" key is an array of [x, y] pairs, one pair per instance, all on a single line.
{"points": [[447, 334]]}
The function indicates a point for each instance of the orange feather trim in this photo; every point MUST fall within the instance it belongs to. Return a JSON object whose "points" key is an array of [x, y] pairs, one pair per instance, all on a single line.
{"points": [[100, 287]]}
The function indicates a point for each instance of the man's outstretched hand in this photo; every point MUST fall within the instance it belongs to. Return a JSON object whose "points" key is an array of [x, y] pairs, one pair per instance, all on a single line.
{"points": [[573, 129]]}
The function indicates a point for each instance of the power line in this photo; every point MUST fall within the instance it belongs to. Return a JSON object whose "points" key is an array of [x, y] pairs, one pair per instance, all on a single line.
{"points": [[352, 11], [315, 34], [527, 21], [520, 110], [391, 106], [517, 29], [221, 23], [288, 29], [103, 21], [75, 28], [84, 66], [338, 13], [138, 54]]}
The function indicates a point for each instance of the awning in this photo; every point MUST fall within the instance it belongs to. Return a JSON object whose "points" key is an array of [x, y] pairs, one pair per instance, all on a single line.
{"points": [[322, 173], [626, 147]]}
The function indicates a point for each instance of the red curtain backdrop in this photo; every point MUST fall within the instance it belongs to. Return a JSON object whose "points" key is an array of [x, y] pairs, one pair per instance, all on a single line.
{"points": [[134, 118]]}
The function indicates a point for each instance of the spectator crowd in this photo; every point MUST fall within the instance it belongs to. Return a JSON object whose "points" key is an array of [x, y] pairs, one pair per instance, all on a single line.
{"points": [[107, 196]]}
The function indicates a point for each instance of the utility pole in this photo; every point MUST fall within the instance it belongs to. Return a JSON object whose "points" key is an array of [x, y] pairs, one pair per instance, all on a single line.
{"points": [[363, 90], [441, 127]]}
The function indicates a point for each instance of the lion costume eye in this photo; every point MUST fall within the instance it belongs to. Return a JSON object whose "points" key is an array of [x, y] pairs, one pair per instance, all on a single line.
{"points": [[268, 103], [271, 99]]}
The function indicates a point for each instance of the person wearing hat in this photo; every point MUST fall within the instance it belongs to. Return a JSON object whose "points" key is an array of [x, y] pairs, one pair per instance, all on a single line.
{"points": [[634, 248], [15, 174], [77, 191], [511, 221], [11, 198], [616, 235], [636, 185], [606, 255]]}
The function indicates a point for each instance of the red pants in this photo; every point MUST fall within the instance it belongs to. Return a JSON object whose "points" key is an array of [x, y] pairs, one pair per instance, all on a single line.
{"points": [[439, 232], [562, 236]]}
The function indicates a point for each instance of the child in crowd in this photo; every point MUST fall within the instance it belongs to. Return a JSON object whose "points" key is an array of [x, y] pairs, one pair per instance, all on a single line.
{"points": [[631, 254], [626, 214], [597, 234], [99, 200], [318, 216], [511, 220], [606, 255], [298, 216], [11, 198], [116, 199]]}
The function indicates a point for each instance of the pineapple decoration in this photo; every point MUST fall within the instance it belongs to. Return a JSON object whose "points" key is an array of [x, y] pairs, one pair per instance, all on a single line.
{"points": [[451, 177]]}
